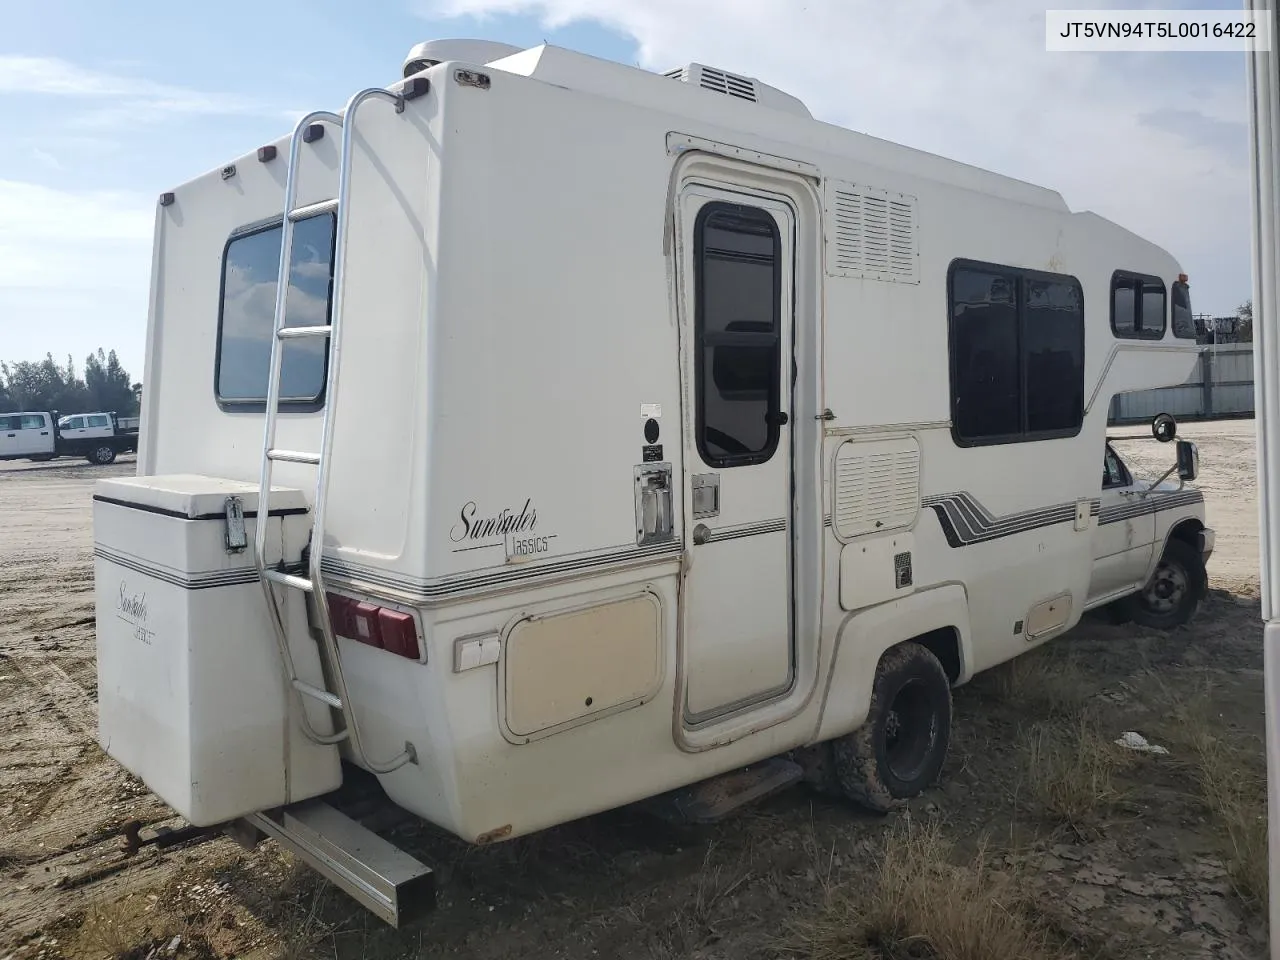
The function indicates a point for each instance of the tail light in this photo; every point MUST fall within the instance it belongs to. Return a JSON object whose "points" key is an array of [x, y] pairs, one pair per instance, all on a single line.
{"points": [[381, 627]]}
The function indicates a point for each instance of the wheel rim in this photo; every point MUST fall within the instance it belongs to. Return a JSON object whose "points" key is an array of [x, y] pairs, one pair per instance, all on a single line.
{"points": [[911, 726], [1167, 588], [104, 453]]}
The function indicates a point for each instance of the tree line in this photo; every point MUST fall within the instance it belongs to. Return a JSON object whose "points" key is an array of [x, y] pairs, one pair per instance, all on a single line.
{"points": [[39, 385]]}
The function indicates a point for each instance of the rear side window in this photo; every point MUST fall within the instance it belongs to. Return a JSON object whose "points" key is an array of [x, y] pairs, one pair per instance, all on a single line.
{"points": [[10, 423], [250, 270], [1184, 324], [97, 421], [1137, 306]]}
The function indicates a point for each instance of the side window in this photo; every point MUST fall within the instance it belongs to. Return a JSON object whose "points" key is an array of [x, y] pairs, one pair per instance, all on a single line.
{"points": [[738, 282], [98, 420], [250, 274], [1017, 354], [73, 423], [1113, 471], [1137, 306], [10, 423], [33, 421], [1184, 324]]}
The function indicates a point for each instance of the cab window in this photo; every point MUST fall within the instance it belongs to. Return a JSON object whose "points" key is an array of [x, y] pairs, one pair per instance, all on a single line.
{"points": [[1114, 472], [33, 421], [98, 421]]}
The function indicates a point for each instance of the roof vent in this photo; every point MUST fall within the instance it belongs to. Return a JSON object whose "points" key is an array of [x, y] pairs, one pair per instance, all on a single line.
{"points": [[428, 54], [738, 87]]}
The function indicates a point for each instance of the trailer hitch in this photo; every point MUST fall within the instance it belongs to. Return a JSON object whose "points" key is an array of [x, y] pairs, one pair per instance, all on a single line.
{"points": [[133, 837]]}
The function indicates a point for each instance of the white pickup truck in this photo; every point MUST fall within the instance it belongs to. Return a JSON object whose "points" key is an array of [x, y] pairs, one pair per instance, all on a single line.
{"points": [[40, 435], [1151, 544]]}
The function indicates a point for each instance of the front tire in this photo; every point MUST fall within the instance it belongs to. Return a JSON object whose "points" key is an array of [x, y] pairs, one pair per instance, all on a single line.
{"points": [[102, 455], [1173, 594], [900, 749]]}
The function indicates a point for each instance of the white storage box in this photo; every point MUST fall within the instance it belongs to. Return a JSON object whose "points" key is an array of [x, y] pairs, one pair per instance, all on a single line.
{"points": [[192, 695]]}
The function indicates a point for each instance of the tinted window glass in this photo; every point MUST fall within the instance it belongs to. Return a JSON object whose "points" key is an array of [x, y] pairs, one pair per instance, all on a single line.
{"points": [[984, 354], [10, 423], [33, 421], [738, 329], [1017, 354], [1184, 324], [1053, 343], [249, 279], [98, 421], [73, 423], [1137, 306]]}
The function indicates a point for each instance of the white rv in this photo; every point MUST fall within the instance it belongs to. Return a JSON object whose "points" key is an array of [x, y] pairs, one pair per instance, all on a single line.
{"points": [[611, 432]]}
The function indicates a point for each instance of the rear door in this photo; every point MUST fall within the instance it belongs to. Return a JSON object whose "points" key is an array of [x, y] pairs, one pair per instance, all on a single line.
{"points": [[37, 433], [10, 435]]}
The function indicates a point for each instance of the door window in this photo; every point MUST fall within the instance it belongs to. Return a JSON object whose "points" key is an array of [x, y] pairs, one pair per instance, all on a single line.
{"points": [[1114, 473], [10, 423], [98, 421], [738, 327], [73, 423], [33, 421]]}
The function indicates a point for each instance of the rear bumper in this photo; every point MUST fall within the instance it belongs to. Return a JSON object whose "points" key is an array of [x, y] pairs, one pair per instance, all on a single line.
{"points": [[1206, 539]]}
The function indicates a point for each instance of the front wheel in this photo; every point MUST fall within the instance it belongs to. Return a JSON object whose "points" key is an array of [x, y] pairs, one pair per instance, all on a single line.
{"points": [[101, 455], [900, 749], [1174, 592]]}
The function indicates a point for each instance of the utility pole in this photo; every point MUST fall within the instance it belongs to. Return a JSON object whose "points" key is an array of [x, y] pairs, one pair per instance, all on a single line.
{"points": [[1263, 78]]}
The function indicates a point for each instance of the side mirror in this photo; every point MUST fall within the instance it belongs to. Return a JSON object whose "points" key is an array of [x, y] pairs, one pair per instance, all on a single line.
{"points": [[1188, 461], [1164, 428]]}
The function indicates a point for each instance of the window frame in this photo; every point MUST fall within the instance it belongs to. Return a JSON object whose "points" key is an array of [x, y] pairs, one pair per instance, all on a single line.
{"points": [[255, 405], [1020, 275], [774, 401], [1142, 278]]}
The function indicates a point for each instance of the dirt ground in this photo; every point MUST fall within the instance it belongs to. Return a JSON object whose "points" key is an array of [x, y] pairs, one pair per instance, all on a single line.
{"points": [[1116, 854]]}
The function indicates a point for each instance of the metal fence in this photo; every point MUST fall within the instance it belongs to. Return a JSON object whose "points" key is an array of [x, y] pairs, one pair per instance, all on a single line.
{"points": [[1220, 386]]}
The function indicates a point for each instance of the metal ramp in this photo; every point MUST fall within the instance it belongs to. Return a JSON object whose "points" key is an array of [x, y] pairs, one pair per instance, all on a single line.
{"points": [[308, 129]]}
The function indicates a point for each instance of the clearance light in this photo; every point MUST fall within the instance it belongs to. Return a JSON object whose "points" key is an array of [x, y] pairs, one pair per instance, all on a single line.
{"points": [[1182, 278], [375, 626]]}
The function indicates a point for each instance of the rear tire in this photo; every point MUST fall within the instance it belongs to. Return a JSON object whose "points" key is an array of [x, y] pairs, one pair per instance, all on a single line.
{"points": [[900, 749], [101, 455], [1173, 594]]}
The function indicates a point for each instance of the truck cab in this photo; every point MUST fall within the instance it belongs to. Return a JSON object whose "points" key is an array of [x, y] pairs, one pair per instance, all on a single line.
{"points": [[1150, 544], [27, 435]]}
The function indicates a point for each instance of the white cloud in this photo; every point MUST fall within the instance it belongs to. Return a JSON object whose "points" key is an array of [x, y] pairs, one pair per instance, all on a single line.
{"points": [[973, 82], [119, 98]]}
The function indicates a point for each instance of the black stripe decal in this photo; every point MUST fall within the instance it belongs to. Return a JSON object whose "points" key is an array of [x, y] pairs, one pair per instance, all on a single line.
{"points": [[748, 530], [965, 521], [1153, 503], [178, 515], [206, 580]]}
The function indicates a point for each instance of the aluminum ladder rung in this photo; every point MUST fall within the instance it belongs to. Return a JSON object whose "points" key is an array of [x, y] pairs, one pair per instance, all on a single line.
{"points": [[289, 580], [293, 456], [315, 693], [289, 333], [268, 574]]}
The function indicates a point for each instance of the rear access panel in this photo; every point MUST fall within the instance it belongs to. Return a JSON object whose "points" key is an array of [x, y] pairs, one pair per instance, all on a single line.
{"points": [[191, 692]]}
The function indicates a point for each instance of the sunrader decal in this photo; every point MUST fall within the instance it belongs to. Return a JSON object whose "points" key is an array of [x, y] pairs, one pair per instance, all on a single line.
{"points": [[516, 530]]}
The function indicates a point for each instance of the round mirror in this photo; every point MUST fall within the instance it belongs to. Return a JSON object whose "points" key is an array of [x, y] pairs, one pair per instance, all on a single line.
{"points": [[1164, 428]]}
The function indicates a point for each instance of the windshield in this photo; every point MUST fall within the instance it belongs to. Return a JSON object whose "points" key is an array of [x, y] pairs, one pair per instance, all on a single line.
{"points": [[1184, 324]]}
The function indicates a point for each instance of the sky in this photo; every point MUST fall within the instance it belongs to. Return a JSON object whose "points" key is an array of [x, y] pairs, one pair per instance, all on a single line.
{"points": [[106, 105]]}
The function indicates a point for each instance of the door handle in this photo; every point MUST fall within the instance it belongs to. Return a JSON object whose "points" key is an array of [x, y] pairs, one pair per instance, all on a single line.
{"points": [[825, 415], [701, 534]]}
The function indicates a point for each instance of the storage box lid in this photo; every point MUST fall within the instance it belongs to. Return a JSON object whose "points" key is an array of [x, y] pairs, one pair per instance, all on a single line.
{"points": [[192, 497]]}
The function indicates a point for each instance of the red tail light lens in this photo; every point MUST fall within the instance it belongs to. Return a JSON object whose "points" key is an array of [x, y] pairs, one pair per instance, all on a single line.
{"points": [[376, 626]]}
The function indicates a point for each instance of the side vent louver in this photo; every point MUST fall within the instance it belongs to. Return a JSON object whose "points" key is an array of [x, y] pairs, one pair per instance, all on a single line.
{"points": [[871, 233], [877, 486]]}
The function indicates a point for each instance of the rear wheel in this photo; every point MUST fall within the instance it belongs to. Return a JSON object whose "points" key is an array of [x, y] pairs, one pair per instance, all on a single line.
{"points": [[1174, 591], [102, 454], [900, 749]]}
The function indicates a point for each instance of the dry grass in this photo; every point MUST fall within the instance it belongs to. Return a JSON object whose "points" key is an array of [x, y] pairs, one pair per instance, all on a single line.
{"points": [[1232, 788], [921, 906], [1071, 773], [1043, 682]]}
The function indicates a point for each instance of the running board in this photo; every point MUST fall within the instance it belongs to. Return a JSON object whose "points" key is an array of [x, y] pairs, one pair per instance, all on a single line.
{"points": [[378, 875], [712, 800]]}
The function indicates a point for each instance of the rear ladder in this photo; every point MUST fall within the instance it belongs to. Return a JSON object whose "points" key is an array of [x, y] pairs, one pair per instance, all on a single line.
{"points": [[313, 584]]}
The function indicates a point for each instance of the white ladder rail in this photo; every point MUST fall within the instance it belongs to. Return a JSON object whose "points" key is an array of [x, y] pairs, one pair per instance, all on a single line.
{"points": [[313, 584]]}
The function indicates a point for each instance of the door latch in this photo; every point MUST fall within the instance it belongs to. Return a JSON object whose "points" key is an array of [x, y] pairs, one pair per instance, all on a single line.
{"points": [[825, 415], [234, 535]]}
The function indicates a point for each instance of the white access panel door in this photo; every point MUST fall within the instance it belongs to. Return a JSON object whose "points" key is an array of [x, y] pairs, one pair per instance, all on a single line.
{"points": [[736, 279]]}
